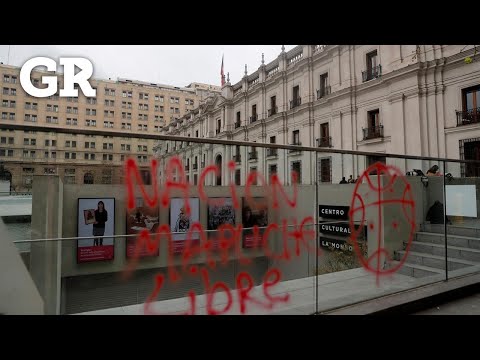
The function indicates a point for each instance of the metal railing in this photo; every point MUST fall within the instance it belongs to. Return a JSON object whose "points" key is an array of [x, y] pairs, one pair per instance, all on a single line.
{"points": [[295, 150], [466, 117], [237, 124], [272, 152], [15, 193], [272, 111], [213, 141], [295, 102], [253, 155], [253, 118], [325, 141], [372, 73], [373, 132], [323, 92], [237, 158]]}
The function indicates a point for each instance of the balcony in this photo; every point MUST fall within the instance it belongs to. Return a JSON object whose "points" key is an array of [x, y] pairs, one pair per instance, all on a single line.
{"points": [[467, 117], [195, 166], [253, 118], [295, 150], [202, 164], [237, 124], [325, 141], [187, 167], [323, 92], [253, 155], [272, 111], [272, 152], [295, 102], [373, 132], [217, 131], [372, 73], [237, 158]]}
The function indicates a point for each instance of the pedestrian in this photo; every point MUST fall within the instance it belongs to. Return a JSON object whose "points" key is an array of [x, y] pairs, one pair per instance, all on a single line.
{"points": [[433, 171]]}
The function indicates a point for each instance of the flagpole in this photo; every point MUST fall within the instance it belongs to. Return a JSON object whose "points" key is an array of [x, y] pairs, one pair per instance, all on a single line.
{"points": [[222, 75], [8, 56]]}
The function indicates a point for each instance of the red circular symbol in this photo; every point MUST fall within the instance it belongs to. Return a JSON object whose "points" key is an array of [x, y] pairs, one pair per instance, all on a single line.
{"points": [[379, 195]]}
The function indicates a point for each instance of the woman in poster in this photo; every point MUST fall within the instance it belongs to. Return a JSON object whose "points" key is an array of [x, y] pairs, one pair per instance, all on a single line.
{"points": [[101, 217]]}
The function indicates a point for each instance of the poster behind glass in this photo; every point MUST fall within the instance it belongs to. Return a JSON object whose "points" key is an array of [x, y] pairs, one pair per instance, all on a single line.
{"points": [[142, 217], [96, 220], [220, 212], [181, 222], [254, 213]]}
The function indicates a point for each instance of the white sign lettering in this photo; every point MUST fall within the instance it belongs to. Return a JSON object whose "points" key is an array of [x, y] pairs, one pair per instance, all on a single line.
{"points": [[70, 78]]}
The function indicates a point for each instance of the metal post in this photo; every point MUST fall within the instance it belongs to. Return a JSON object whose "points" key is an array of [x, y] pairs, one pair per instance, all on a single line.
{"points": [[445, 221], [316, 232]]}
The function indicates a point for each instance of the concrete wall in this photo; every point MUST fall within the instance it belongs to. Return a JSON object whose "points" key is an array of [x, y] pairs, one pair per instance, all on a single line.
{"points": [[18, 292]]}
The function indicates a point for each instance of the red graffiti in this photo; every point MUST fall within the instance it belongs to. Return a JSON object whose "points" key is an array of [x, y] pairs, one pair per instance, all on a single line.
{"points": [[272, 278], [198, 253], [276, 184], [144, 241], [182, 184], [391, 177], [131, 168]]}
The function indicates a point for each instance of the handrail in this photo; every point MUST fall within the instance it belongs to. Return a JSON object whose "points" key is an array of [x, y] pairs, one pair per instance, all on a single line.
{"points": [[154, 234], [227, 142]]}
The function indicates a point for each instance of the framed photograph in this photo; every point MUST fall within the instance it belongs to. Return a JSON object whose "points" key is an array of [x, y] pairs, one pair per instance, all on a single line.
{"points": [[220, 212], [180, 222], [89, 216], [96, 221], [255, 213], [140, 218]]}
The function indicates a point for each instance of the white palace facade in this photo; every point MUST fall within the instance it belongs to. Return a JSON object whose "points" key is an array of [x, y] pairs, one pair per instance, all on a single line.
{"points": [[420, 100]]}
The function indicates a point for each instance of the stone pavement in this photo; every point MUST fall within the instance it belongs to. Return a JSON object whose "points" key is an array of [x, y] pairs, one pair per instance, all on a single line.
{"points": [[334, 290]]}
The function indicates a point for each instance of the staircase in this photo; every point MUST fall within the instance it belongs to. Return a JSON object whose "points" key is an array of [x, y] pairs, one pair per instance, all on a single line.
{"points": [[427, 251]]}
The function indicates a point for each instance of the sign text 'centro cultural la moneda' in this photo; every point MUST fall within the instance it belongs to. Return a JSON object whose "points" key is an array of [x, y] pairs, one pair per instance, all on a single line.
{"points": [[335, 244], [340, 230], [333, 212]]}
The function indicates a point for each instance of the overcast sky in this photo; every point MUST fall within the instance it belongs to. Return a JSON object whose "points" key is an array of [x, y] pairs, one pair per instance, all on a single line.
{"points": [[176, 65]]}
